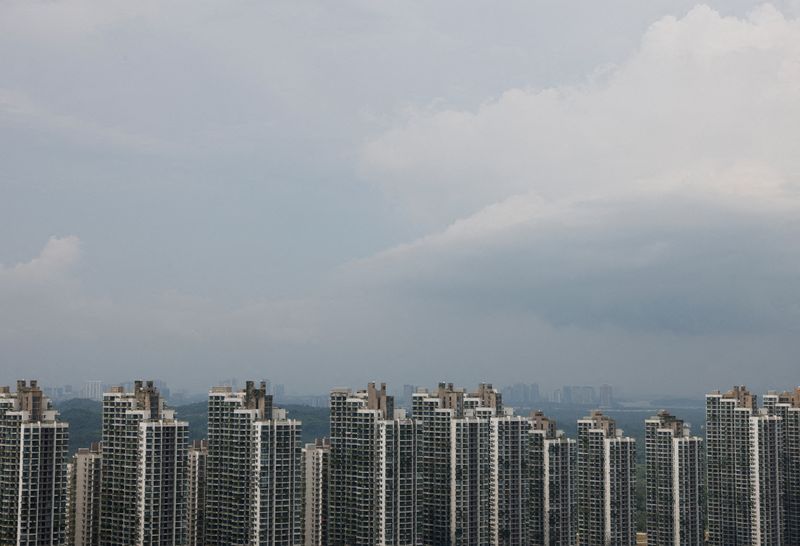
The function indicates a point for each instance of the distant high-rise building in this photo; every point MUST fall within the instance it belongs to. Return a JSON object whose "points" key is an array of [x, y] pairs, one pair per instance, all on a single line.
{"points": [[455, 472], [522, 394], [254, 473], [373, 482], [605, 485], [56, 394], [316, 465], [787, 406], [408, 393], [163, 388], [33, 469], [606, 396], [534, 395], [551, 469], [744, 471], [144, 469], [92, 390], [196, 501], [674, 481], [84, 505]]}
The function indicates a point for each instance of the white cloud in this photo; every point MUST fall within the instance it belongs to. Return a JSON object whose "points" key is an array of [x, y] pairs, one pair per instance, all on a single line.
{"points": [[647, 213], [702, 90], [55, 259], [661, 195], [18, 111]]}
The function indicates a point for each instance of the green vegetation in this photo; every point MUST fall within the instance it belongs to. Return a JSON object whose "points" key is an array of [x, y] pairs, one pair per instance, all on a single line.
{"points": [[316, 421], [85, 421], [197, 416]]}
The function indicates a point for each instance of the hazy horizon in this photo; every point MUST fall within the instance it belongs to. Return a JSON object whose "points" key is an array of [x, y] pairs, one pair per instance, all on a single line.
{"points": [[325, 194]]}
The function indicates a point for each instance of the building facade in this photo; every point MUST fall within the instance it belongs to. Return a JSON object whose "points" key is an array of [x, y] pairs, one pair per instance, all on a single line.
{"points": [[316, 468], [92, 390], [373, 470], [551, 500], [744, 468], [254, 472], [433, 412], [787, 406], [509, 479], [144, 485], [33, 469], [459, 499], [473, 519], [675, 474], [196, 500], [84, 498], [605, 483]]}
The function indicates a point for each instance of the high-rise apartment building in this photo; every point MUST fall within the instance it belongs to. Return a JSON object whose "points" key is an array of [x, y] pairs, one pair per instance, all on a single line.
{"points": [[144, 470], [605, 483], [373, 470], [84, 498], [473, 519], [408, 393], [254, 471], [744, 466], [521, 394], [509, 479], [675, 477], [433, 413], [551, 500], [196, 500], [457, 481], [606, 395], [33, 469], [579, 395], [92, 390], [316, 468], [787, 406]]}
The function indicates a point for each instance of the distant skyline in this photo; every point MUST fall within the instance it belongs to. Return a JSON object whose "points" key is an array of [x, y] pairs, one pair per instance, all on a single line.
{"points": [[323, 194], [588, 395]]}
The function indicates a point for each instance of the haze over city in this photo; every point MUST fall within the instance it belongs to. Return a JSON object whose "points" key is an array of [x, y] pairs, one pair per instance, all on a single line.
{"points": [[329, 193]]}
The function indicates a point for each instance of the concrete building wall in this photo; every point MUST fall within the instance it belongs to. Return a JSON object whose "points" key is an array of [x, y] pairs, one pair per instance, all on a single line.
{"points": [[33, 468], [85, 497]]}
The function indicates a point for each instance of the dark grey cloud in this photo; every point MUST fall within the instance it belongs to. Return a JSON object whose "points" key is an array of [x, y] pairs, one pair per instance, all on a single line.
{"points": [[670, 264]]}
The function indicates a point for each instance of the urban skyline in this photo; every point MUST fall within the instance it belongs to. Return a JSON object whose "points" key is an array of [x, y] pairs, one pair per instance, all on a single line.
{"points": [[460, 469], [399, 273], [520, 393]]}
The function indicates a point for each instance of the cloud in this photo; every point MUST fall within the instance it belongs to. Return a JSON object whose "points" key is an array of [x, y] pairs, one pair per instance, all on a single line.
{"points": [[700, 90], [559, 222], [54, 320], [661, 195], [18, 111], [57, 257]]}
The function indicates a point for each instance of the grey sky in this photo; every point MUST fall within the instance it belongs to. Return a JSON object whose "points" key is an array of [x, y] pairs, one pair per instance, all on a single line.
{"points": [[329, 192]]}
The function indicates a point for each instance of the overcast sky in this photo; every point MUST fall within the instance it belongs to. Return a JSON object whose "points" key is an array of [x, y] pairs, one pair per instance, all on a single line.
{"points": [[326, 193]]}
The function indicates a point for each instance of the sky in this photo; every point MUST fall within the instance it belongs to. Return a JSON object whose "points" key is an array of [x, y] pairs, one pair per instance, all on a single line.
{"points": [[329, 193]]}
